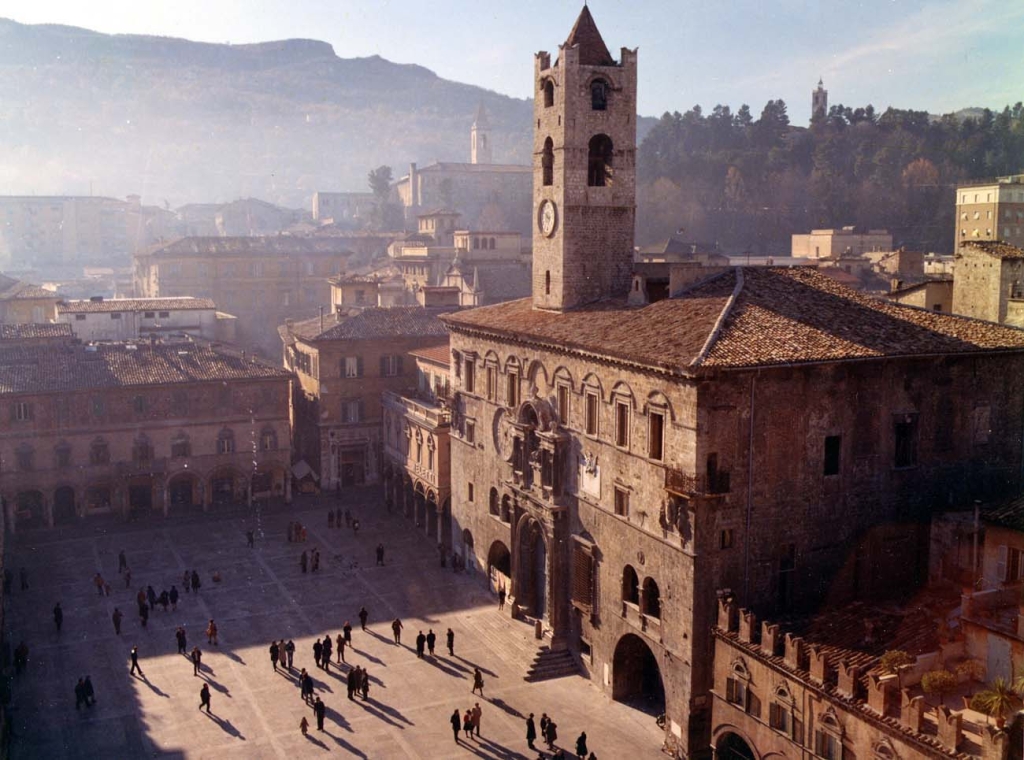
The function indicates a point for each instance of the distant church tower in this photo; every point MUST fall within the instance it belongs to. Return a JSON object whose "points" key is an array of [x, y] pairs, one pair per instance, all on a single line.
{"points": [[819, 101], [584, 176], [480, 138]]}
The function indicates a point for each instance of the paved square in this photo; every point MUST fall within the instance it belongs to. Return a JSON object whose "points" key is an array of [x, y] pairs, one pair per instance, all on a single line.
{"points": [[263, 595]]}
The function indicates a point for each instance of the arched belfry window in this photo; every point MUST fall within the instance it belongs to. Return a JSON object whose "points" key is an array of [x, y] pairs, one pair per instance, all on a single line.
{"points": [[547, 162], [599, 166], [599, 95], [549, 93]]}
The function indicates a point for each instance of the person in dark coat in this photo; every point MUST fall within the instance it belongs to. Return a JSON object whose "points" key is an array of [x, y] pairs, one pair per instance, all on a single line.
{"points": [[289, 650], [87, 690], [58, 616], [195, 582], [544, 720], [197, 660], [80, 693], [182, 641], [165, 599], [122, 562], [144, 613], [431, 640], [174, 597], [151, 597], [551, 734], [478, 681], [421, 641], [117, 617], [363, 615], [364, 683], [275, 652], [396, 628], [380, 554], [351, 681], [250, 538], [531, 732], [204, 697], [456, 722], [451, 642], [347, 630], [135, 662], [325, 659], [319, 710], [304, 561], [318, 651], [581, 744]]}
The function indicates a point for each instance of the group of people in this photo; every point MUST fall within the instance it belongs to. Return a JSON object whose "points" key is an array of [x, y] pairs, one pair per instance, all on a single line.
{"points": [[549, 733], [296, 532], [470, 722], [310, 561], [84, 694]]}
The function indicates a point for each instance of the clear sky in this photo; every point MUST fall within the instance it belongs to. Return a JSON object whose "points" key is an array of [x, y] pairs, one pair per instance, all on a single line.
{"points": [[935, 55]]}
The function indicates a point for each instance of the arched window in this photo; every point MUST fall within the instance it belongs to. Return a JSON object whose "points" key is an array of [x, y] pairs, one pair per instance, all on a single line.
{"points": [[225, 442], [493, 502], [599, 166], [492, 244], [630, 585], [599, 95], [652, 599], [547, 162], [549, 93]]}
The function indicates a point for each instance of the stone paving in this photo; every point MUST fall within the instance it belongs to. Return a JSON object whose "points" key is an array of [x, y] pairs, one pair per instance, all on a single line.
{"points": [[263, 596]]}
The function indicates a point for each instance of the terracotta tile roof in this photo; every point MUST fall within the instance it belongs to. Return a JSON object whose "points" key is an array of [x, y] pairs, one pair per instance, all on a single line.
{"points": [[135, 304], [11, 289], [373, 323], [275, 245], [36, 330], [747, 318], [584, 34], [439, 354], [995, 248], [42, 369]]}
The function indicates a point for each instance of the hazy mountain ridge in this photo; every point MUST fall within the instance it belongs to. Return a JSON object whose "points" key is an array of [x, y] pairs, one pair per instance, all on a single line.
{"points": [[190, 121]]}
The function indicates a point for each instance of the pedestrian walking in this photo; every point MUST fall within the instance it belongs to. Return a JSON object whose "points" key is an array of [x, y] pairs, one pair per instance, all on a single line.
{"points": [[421, 641], [127, 577], [197, 660], [326, 659], [289, 650], [179, 634], [340, 642], [275, 652], [135, 662], [364, 683], [501, 598], [350, 681], [174, 598], [186, 581], [478, 681], [165, 599], [450, 636], [319, 710], [195, 582], [211, 633], [117, 617], [151, 597], [144, 614], [431, 640], [90, 695], [551, 734], [396, 627], [347, 630], [98, 580], [380, 554], [204, 697], [467, 724], [304, 725], [80, 693], [581, 745], [363, 615], [544, 720], [122, 562], [531, 732], [250, 538], [303, 683], [303, 561], [318, 650], [456, 724], [58, 616], [477, 714]]}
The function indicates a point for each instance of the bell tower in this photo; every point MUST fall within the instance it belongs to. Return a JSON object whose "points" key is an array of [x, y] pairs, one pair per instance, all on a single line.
{"points": [[584, 176], [480, 138], [819, 101]]}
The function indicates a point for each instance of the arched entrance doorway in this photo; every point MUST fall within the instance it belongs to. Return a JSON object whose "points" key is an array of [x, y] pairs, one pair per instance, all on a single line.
{"points": [[531, 589], [64, 505], [140, 494], [446, 524], [409, 499], [30, 512], [420, 501], [731, 746], [636, 676], [499, 566], [432, 516], [467, 548], [183, 492], [226, 487]]}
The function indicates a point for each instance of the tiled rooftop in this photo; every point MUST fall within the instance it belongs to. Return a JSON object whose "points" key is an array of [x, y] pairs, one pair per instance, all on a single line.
{"points": [[43, 369], [11, 289], [35, 330], [275, 245], [995, 248], [440, 354], [747, 318], [368, 324], [135, 304]]}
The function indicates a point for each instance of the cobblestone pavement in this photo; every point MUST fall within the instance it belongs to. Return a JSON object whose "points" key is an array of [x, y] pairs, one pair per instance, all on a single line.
{"points": [[262, 596]]}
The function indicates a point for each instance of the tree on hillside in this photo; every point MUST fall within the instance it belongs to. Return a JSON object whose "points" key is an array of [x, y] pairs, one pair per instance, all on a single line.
{"points": [[386, 215]]}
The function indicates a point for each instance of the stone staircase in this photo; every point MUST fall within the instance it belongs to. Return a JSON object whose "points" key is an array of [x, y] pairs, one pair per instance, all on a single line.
{"points": [[551, 664]]}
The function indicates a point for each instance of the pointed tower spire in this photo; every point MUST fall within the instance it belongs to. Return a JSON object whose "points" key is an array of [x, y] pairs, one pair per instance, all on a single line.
{"points": [[481, 120], [585, 36]]}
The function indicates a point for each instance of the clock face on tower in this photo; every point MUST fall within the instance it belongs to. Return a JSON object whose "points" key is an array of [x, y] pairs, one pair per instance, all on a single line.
{"points": [[547, 218]]}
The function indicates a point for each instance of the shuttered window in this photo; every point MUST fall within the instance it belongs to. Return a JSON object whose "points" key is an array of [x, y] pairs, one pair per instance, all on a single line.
{"points": [[582, 577]]}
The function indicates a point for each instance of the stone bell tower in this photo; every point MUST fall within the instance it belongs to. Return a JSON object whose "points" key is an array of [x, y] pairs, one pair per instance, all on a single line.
{"points": [[819, 101], [480, 138], [584, 176]]}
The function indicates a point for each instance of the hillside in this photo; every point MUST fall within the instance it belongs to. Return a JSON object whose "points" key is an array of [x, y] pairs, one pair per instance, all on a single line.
{"points": [[187, 122]]}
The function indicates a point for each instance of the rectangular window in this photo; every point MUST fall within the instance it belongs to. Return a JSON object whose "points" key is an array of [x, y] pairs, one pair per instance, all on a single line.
{"points": [[582, 577], [352, 366], [390, 366], [21, 411], [655, 435], [492, 382], [139, 404], [470, 495], [97, 407], [149, 315], [80, 317], [115, 315], [352, 411], [512, 390], [591, 421], [779, 718], [470, 431], [621, 502], [833, 445], [63, 457], [905, 434], [457, 363], [470, 376], [563, 404], [622, 424], [725, 539], [736, 692], [24, 458], [164, 314], [827, 746]]}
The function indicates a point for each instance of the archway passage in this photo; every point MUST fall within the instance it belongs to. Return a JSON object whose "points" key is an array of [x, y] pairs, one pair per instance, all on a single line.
{"points": [[432, 517], [140, 495], [499, 566], [30, 512], [183, 492], [64, 505], [636, 676], [446, 524], [225, 486], [731, 746], [531, 586]]}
